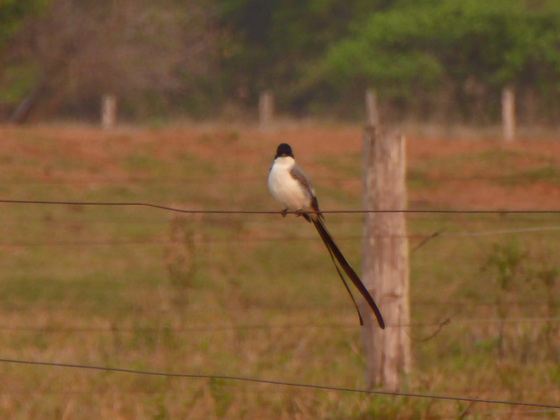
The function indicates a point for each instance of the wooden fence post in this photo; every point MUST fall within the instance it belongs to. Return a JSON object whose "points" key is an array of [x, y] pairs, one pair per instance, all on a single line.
{"points": [[508, 114], [108, 111], [372, 111], [266, 109], [385, 260]]}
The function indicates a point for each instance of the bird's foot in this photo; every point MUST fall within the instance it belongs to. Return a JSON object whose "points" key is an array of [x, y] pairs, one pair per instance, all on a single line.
{"points": [[303, 213], [284, 212]]}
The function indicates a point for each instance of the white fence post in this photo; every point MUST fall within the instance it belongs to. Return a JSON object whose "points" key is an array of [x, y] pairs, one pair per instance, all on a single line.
{"points": [[108, 111], [508, 114]]}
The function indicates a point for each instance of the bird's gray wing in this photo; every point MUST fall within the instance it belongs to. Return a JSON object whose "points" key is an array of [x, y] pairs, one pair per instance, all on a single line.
{"points": [[299, 175]]}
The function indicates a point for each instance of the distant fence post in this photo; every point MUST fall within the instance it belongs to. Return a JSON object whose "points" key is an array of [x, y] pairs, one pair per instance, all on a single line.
{"points": [[385, 260], [508, 114], [266, 109], [108, 111], [372, 111]]}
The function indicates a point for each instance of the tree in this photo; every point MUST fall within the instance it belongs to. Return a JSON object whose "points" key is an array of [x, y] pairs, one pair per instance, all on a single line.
{"points": [[12, 13], [469, 47], [145, 51], [275, 44]]}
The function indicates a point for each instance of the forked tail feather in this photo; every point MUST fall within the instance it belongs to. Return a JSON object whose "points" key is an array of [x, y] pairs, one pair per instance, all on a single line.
{"points": [[334, 250]]}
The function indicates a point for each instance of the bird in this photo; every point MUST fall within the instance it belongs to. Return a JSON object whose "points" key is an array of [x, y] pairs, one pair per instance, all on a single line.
{"points": [[291, 186]]}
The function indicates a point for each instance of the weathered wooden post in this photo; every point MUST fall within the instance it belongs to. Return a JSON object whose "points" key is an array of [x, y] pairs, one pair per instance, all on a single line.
{"points": [[508, 114], [108, 111], [266, 109], [385, 260], [372, 113]]}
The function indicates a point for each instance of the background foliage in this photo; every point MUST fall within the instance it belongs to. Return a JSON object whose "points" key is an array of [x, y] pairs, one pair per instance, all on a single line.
{"points": [[443, 60]]}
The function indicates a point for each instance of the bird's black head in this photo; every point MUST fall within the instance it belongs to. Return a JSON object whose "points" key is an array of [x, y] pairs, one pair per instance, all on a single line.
{"points": [[284, 149]]}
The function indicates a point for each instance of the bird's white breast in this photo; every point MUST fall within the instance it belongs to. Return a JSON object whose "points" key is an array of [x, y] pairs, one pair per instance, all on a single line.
{"points": [[285, 188]]}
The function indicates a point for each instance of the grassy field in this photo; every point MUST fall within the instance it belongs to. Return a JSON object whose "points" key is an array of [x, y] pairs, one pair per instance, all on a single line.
{"points": [[256, 295]]}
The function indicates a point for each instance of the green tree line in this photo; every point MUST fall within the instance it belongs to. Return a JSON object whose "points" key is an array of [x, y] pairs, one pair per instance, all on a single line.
{"points": [[443, 60]]}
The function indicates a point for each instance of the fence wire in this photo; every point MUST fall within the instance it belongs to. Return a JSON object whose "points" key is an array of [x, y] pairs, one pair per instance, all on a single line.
{"points": [[276, 383]]}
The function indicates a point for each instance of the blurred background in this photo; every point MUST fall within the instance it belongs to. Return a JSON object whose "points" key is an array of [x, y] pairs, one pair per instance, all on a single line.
{"points": [[255, 295], [440, 61]]}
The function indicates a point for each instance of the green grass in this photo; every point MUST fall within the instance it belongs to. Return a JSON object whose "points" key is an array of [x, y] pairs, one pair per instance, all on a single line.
{"points": [[549, 173], [497, 166], [93, 285]]}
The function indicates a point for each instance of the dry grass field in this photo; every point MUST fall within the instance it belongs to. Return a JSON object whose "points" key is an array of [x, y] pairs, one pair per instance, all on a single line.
{"points": [[256, 295]]}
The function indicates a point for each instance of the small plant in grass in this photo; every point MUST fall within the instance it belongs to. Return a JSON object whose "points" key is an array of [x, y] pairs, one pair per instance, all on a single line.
{"points": [[548, 276], [520, 272], [180, 256], [507, 262], [507, 266], [221, 395]]}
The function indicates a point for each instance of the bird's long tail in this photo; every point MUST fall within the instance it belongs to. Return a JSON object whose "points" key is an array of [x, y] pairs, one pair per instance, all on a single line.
{"points": [[346, 286], [335, 253]]}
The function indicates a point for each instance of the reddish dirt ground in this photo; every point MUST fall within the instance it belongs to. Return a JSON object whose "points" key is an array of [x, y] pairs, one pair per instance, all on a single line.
{"points": [[471, 174]]}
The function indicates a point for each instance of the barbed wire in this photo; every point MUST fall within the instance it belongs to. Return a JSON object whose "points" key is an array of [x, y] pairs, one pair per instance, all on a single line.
{"points": [[498, 232], [285, 306], [167, 390], [129, 392], [137, 218], [277, 383], [270, 212], [157, 241], [340, 325], [265, 327]]}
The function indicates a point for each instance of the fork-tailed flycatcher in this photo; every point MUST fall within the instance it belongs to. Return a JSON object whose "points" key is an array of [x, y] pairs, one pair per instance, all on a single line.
{"points": [[292, 188]]}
